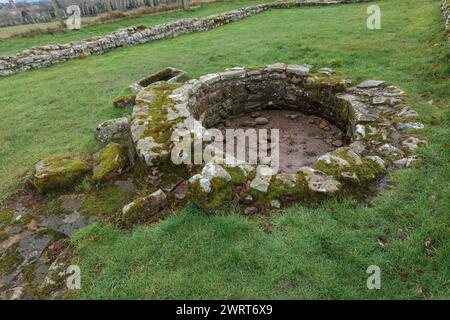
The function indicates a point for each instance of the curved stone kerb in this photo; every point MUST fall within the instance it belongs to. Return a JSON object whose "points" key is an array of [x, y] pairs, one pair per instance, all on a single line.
{"points": [[374, 115]]}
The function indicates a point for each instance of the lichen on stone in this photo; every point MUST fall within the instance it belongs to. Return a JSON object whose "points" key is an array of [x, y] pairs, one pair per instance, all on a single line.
{"points": [[123, 101], [109, 162]]}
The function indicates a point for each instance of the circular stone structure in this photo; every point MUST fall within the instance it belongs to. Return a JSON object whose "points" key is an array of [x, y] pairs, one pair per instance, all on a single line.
{"points": [[373, 116]]}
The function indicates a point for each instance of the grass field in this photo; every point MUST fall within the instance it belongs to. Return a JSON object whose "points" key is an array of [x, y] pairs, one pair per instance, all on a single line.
{"points": [[6, 32], [14, 46], [318, 252]]}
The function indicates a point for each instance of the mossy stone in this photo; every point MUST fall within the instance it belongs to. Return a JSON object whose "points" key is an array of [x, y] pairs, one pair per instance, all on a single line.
{"points": [[109, 162], [59, 173], [124, 101], [220, 194], [145, 209]]}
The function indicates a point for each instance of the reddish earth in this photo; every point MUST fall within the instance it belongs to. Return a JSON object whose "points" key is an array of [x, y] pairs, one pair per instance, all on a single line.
{"points": [[303, 138]]}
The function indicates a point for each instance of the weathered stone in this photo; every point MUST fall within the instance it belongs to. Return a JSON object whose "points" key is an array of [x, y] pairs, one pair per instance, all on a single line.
{"points": [[409, 126], [71, 202], [326, 71], [412, 143], [211, 188], [58, 173], [180, 191], [262, 180], [406, 162], [338, 143], [408, 113], [112, 130], [323, 124], [250, 210], [67, 223], [125, 185], [275, 204], [297, 70], [370, 84], [332, 159], [390, 152], [169, 74], [124, 101], [109, 162], [319, 182], [32, 245], [358, 147], [145, 209], [248, 123], [209, 172], [150, 151], [261, 121], [381, 163]]}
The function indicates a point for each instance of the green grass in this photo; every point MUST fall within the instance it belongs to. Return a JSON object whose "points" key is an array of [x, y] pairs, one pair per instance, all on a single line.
{"points": [[14, 46], [313, 252], [6, 32]]}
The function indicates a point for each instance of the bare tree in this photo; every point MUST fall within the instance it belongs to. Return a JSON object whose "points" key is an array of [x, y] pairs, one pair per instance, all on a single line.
{"points": [[58, 12]]}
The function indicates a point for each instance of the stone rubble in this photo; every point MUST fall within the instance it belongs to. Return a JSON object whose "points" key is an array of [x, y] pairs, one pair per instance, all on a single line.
{"points": [[112, 130]]}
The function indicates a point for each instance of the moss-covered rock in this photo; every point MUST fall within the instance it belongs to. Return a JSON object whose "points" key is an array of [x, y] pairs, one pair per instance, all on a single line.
{"points": [[145, 209], [318, 182], [124, 101], [6, 216], [349, 168], [212, 188], [112, 130], [109, 162], [58, 173]]}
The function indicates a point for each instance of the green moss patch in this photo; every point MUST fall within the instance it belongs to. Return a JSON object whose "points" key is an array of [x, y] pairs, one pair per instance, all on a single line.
{"points": [[6, 216], [123, 101], [159, 128], [109, 162], [220, 195], [106, 200], [57, 173], [8, 262], [361, 173]]}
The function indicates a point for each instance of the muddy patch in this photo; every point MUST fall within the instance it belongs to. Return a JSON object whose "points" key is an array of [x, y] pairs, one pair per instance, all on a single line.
{"points": [[303, 138]]}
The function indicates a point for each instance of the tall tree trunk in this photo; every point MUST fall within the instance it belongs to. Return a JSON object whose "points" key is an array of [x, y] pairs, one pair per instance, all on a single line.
{"points": [[185, 4], [108, 6], [58, 12]]}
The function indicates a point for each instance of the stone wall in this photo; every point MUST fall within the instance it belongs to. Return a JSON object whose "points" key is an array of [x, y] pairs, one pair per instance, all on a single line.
{"points": [[44, 56]]}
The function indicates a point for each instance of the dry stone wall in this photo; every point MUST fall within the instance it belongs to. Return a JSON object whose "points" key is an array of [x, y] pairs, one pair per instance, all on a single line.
{"points": [[39, 57]]}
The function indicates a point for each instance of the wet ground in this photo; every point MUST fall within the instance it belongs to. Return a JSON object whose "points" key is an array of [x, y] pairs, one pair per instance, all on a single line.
{"points": [[303, 138], [34, 232]]}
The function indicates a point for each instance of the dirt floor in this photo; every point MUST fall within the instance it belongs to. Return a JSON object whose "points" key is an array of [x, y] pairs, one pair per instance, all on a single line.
{"points": [[303, 138]]}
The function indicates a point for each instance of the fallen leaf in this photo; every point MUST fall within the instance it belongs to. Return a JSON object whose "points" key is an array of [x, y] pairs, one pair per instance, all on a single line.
{"points": [[401, 234], [382, 242], [435, 122], [11, 241], [268, 228]]}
